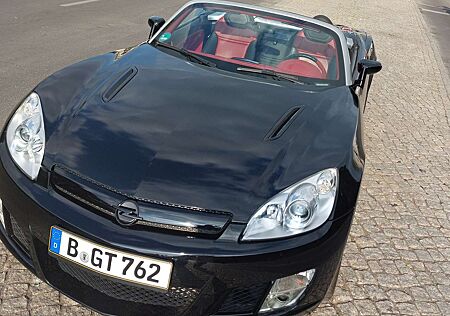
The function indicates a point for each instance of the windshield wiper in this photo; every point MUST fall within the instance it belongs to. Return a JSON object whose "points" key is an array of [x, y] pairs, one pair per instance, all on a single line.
{"points": [[190, 56], [271, 73]]}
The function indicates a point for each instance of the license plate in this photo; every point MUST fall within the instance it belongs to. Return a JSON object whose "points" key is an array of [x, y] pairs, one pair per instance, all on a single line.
{"points": [[110, 262]]}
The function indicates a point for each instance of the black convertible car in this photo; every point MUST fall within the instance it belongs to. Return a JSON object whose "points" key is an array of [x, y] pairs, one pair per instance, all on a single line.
{"points": [[212, 170]]}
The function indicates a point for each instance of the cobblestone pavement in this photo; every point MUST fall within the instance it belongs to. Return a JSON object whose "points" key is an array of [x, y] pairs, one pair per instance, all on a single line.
{"points": [[397, 260]]}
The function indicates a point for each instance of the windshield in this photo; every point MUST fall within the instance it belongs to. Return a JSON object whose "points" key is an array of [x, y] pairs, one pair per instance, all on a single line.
{"points": [[234, 37]]}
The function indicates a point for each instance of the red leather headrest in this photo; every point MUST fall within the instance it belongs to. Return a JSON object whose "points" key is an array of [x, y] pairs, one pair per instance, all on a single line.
{"points": [[224, 28], [324, 49]]}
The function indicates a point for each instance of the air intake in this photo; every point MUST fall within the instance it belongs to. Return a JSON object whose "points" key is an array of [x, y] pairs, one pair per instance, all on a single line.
{"points": [[283, 123], [118, 84]]}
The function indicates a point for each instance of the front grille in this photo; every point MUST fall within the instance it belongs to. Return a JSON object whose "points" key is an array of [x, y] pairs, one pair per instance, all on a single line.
{"points": [[160, 215], [178, 297], [19, 235], [243, 300]]}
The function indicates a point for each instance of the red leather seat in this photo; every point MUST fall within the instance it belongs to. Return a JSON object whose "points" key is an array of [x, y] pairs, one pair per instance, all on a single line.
{"points": [[232, 37], [304, 68], [325, 52]]}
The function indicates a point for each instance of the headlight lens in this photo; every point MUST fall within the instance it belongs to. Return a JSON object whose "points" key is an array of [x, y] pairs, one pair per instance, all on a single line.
{"points": [[298, 209], [25, 136]]}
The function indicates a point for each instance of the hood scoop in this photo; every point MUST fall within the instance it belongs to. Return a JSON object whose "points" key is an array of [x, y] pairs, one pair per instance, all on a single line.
{"points": [[283, 123], [119, 84]]}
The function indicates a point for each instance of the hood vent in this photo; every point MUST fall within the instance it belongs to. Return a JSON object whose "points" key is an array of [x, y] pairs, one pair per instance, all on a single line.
{"points": [[118, 84], [283, 123]]}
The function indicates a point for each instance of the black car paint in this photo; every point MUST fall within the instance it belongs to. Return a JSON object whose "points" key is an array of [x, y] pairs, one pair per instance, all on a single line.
{"points": [[180, 138], [222, 263]]}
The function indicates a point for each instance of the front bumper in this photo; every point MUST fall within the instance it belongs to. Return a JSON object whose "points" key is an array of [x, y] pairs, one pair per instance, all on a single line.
{"points": [[210, 276]]}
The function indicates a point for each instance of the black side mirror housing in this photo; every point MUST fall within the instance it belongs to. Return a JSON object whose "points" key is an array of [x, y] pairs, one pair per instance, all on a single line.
{"points": [[369, 67], [155, 23], [366, 67]]}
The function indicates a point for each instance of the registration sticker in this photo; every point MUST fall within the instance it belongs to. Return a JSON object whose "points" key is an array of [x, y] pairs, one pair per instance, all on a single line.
{"points": [[165, 37], [110, 262]]}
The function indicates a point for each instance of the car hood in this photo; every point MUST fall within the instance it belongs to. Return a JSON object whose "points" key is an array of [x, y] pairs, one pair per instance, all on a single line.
{"points": [[186, 134]]}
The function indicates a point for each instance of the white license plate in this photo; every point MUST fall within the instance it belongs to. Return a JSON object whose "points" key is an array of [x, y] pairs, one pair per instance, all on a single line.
{"points": [[110, 262]]}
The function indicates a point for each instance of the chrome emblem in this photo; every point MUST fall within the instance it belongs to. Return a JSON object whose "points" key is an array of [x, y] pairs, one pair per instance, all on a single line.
{"points": [[127, 213]]}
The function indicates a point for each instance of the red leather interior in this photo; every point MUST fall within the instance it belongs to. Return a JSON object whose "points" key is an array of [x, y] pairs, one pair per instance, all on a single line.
{"points": [[322, 49], [293, 66], [223, 27], [195, 41], [232, 46], [232, 41], [236, 61], [324, 52], [302, 68], [232, 37]]}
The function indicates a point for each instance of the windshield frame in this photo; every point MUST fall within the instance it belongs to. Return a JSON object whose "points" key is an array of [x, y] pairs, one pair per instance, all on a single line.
{"points": [[341, 44]]}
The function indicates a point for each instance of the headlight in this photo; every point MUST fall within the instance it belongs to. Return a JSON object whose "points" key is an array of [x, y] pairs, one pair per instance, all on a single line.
{"points": [[25, 136], [298, 209]]}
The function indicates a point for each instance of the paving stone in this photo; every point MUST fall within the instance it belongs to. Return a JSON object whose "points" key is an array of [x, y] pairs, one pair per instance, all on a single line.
{"points": [[326, 311], [444, 307], [408, 309], [347, 309], [14, 306], [41, 297], [14, 290], [428, 308], [397, 296], [75, 311], [45, 310], [386, 307], [366, 307]]}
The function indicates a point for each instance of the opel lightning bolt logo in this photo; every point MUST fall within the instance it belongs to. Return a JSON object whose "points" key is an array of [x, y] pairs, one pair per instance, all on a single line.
{"points": [[127, 213]]}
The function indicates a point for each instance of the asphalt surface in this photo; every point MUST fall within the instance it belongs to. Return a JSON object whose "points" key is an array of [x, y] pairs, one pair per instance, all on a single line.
{"points": [[39, 37], [437, 16]]}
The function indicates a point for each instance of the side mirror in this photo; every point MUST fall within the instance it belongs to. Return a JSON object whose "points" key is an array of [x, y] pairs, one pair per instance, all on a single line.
{"points": [[155, 23], [369, 67]]}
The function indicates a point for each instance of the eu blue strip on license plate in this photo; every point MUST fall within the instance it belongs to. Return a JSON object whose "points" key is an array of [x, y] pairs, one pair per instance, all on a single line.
{"points": [[55, 240]]}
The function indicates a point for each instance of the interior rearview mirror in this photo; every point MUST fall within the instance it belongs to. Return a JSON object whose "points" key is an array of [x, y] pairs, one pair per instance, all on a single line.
{"points": [[369, 67], [155, 23]]}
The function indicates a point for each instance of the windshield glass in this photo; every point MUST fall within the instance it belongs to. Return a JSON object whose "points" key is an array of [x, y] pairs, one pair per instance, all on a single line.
{"points": [[234, 36]]}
